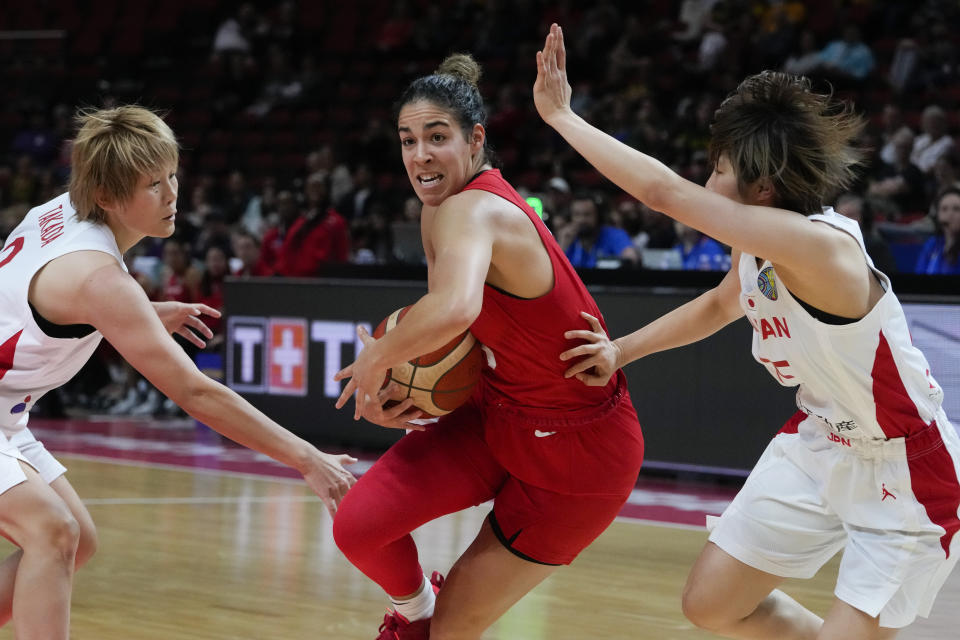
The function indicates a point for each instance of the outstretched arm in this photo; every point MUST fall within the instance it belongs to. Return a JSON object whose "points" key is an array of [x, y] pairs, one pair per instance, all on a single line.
{"points": [[116, 305], [697, 319], [761, 231]]}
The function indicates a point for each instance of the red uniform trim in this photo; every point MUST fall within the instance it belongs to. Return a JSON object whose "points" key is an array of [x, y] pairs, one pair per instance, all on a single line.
{"points": [[793, 424]]}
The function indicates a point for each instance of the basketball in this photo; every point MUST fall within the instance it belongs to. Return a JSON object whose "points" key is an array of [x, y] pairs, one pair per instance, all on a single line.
{"points": [[439, 381]]}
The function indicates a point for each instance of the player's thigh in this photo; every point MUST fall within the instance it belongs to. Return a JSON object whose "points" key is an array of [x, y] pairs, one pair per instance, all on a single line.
{"points": [[720, 588], [37, 455], [780, 522], [482, 585]]}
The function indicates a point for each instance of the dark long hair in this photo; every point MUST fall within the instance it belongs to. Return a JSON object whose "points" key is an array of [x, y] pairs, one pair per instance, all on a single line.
{"points": [[774, 126], [453, 87]]}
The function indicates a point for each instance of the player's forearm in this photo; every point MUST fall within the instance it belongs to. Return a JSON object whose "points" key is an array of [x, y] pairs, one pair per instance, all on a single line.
{"points": [[689, 323], [428, 325], [228, 414]]}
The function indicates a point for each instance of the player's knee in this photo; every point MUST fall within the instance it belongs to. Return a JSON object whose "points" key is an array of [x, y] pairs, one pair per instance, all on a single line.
{"points": [[56, 532], [350, 532], [701, 610], [87, 544]]}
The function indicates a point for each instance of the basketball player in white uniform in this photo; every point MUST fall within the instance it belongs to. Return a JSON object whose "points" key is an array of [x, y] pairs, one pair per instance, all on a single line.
{"points": [[63, 287], [870, 463]]}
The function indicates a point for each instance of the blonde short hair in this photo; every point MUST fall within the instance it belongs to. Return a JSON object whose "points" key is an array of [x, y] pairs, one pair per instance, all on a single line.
{"points": [[113, 149]]}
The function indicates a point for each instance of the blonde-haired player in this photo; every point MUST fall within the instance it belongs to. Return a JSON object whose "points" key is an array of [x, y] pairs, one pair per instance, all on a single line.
{"points": [[63, 287]]}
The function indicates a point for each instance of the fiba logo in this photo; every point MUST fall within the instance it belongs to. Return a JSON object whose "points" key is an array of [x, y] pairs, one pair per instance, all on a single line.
{"points": [[272, 355]]}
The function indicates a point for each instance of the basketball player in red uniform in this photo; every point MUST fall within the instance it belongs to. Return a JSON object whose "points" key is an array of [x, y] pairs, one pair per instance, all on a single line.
{"points": [[557, 458]]}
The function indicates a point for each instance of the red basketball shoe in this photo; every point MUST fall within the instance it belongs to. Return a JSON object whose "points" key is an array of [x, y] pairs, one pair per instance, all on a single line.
{"points": [[396, 627]]}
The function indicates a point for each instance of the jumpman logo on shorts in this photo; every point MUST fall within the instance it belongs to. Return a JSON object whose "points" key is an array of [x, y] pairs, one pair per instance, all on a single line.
{"points": [[886, 493]]}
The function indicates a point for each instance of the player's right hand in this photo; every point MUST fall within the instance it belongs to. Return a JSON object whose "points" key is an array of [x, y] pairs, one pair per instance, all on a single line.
{"points": [[385, 411], [551, 91], [600, 356]]}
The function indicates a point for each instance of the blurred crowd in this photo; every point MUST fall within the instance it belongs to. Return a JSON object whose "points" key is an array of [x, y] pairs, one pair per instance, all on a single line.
{"points": [[290, 161]]}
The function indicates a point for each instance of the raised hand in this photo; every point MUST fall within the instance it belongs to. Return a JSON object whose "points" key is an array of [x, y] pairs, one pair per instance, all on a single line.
{"points": [[600, 356], [551, 91], [184, 319]]}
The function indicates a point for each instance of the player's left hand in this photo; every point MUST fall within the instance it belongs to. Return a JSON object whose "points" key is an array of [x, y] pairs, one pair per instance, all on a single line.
{"points": [[600, 356], [551, 91], [184, 319]]}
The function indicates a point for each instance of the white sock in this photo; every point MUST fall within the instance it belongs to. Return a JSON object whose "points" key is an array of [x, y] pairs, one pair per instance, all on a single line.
{"points": [[419, 606]]}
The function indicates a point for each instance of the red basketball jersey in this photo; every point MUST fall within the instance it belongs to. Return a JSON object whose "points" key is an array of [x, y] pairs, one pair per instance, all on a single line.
{"points": [[526, 335]]}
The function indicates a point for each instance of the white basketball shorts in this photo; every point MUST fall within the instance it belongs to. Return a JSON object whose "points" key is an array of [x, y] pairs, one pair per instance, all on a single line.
{"points": [[23, 446], [813, 494]]}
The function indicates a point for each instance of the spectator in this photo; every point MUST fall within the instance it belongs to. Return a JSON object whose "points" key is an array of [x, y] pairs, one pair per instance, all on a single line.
{"points": [[214, 233], [281, 84], [557, 199], [946, 172], [857, 208], [323, 163], [808, 59], [210, 291], [589, 242], [934, 141], [891, 122], [246, 249], [699, 252], [240, 205], [239, 32], [354, 204], [318, 236], [900, 181], [940, 253], [179, 278], [849, 57], [282, 219], [694, 16]]}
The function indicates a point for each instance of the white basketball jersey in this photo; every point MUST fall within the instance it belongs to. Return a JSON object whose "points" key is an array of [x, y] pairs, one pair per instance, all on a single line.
{"points": [[862, 380], [32, 362]]}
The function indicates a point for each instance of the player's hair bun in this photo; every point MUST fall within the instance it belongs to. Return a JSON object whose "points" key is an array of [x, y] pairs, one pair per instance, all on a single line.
{"points": [[461, 65]]}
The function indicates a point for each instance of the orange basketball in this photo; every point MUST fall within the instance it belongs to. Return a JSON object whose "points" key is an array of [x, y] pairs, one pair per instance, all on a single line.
{"points": [[439, 381]]}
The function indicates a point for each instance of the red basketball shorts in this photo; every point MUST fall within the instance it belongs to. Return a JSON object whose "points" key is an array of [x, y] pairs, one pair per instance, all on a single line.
{"points": [[557, 482]]}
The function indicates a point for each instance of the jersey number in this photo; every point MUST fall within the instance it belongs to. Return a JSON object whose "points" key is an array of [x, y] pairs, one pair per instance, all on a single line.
{"points": [[10, 345]]}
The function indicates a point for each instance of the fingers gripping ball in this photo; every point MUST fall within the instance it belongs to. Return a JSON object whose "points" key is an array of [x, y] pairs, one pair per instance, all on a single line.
{"points": [[439, 381]]}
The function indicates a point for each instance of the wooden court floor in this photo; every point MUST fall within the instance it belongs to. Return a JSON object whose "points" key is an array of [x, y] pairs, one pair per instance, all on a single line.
{"points": [[206, 555]]}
